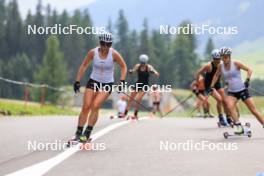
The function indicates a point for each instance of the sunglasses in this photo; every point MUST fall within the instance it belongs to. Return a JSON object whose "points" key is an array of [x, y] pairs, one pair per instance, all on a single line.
{"points": [[108, 44]]}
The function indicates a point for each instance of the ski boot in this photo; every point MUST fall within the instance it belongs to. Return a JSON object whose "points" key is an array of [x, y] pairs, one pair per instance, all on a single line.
{"points": [[73, 141], [229, 121], [221, 121]]}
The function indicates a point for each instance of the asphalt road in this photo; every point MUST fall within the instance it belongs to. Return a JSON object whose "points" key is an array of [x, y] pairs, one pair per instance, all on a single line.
{"points": [[148, 147]]}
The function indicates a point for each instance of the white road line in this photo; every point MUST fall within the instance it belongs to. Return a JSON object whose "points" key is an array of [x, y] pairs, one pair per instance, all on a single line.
{"points": [[44, 166]]}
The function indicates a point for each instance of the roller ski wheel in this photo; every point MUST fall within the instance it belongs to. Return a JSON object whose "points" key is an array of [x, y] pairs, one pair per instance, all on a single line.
{"points": [[247, 124], [226, 135], [210, 115], [86, 144], [249, 134], [134, 118]]}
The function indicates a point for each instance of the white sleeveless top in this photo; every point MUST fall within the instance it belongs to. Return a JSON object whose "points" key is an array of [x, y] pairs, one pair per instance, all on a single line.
{"points": [[233, 78], [103, 69]]}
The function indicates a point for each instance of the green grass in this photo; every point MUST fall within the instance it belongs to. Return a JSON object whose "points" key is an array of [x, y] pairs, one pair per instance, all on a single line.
{"points": [[182, 93], [259, 101], [20, 108], [251, 53]]}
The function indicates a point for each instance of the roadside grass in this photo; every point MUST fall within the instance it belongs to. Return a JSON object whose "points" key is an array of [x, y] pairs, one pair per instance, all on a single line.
{"points": [[18, 108]]}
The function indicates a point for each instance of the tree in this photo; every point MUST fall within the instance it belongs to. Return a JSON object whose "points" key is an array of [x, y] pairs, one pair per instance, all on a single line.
{"points": [[184, 60], [17, 68], [29, 45], [89, 39], [145, 45], [53, 69], [39, 39], [3, 46], [132, 52], [121, 38], [13, 29], [109, 27], [208, 49], [162, 55]]}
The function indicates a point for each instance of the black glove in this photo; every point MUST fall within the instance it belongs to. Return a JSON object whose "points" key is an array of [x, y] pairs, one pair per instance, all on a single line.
{"points": [[77, 86], [246, 83], [121, 86]]}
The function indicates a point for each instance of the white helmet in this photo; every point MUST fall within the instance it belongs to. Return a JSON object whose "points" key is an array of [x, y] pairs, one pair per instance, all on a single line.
{"points": [[216, 54], [105, 37], [154, 86], [225, 51], [143, 58]]}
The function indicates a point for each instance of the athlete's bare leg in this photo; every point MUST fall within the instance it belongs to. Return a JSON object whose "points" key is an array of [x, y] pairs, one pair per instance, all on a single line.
{"points": [[252, 107]]}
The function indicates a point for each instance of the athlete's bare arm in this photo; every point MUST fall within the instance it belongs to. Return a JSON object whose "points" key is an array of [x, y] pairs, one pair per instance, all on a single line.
{"points": [[119, 59], [85, 64], [193, 85], [239, 65], [134, 69], [202, 70], [216, 76], [152, 69]]}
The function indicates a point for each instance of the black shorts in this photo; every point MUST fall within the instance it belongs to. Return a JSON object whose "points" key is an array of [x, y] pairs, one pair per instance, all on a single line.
{"points": [[217, 86], [155, 106], [157, 103], [199, 92], [243, 94], [97, 86]]}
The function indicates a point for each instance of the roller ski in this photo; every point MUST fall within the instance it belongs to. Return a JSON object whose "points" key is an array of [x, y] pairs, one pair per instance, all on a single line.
{"points": [[73, 141], [85, 142], [208, 115], [132, 118], [241, 131], [77, 139], [119, 116]]}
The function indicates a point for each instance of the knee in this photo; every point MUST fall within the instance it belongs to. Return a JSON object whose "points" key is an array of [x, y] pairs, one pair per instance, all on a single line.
{"points": [[85, 108], [95, 106], [229, 105]]}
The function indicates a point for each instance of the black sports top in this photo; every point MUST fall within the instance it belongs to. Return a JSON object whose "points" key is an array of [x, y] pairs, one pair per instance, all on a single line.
{"points": [[143, 76]]}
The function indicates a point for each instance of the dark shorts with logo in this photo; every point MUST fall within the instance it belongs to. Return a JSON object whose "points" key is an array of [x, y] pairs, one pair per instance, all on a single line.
{"points": [[97, 86], [243, 94], [217, 86]]}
